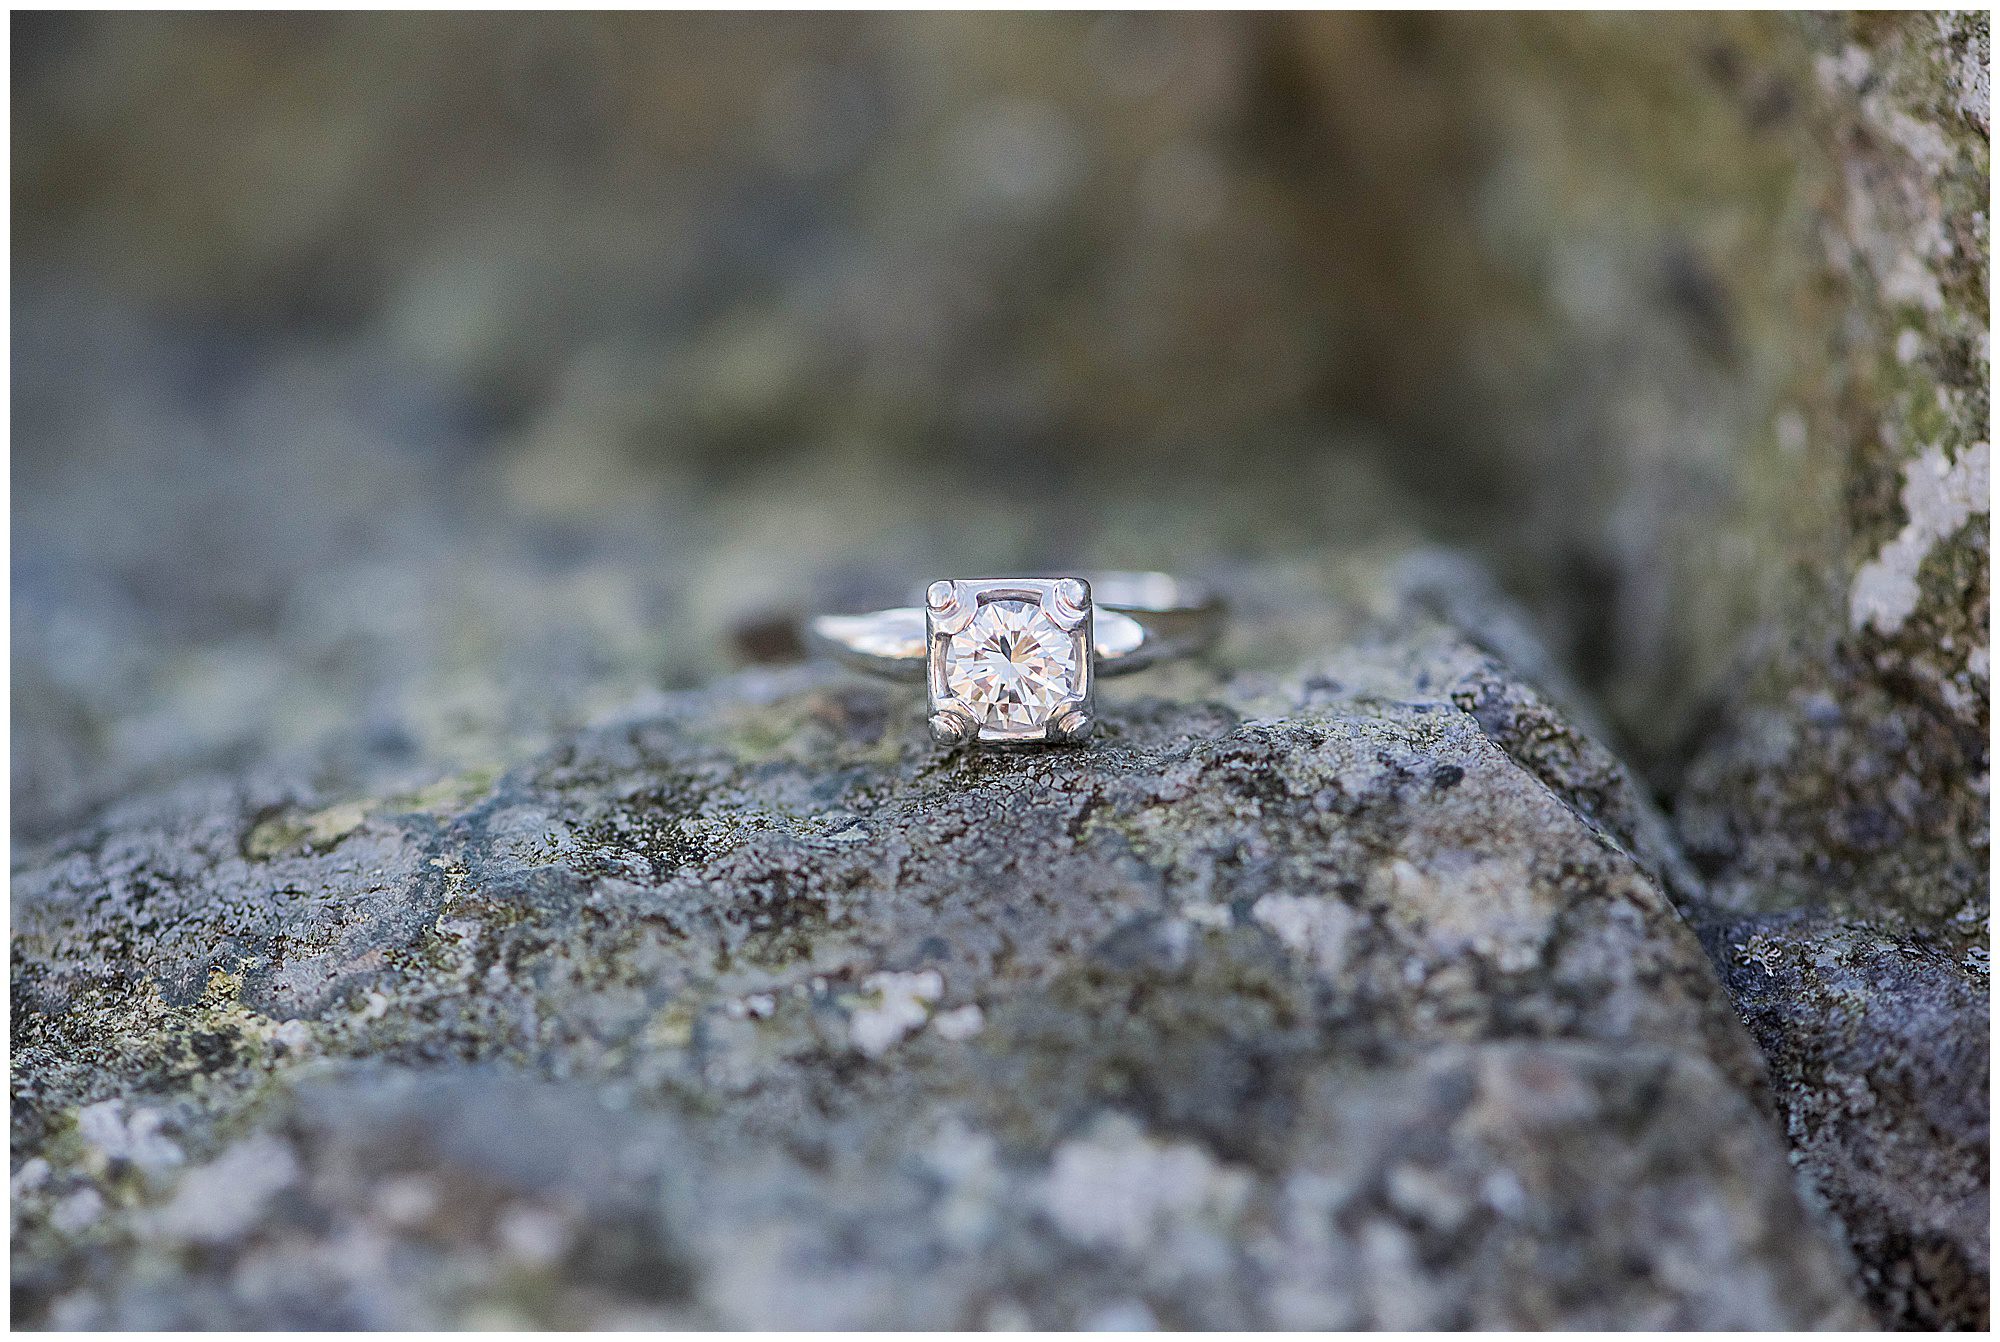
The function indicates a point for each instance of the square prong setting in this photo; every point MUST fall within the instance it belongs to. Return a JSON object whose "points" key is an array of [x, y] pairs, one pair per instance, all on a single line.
{"points": [[1009, 660]]}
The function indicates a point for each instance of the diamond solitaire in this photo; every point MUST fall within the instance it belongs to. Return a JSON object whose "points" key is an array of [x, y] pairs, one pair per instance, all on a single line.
{"points": [[1013, 661], [1009, 659]]}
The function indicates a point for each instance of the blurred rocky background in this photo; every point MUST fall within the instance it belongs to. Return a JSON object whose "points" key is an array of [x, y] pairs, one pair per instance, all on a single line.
{"points": [[396, 396]]}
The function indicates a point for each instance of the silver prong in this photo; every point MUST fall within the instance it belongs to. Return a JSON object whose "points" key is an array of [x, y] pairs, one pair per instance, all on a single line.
{"points": [[951, 727], [1071, 724], [949, 608], [1069, 603]]}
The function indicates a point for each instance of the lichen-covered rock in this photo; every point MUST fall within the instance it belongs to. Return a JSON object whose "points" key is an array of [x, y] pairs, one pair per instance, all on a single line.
{"points": [[1847, 768], [343, 486], [1847, 774], [1743, 399], [1296, 1000], [1879, 1048]]}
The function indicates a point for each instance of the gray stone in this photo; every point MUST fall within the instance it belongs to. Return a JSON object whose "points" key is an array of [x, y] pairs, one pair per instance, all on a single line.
{"points": [[412, 477], [1294, 1001], [1879, 1045]]}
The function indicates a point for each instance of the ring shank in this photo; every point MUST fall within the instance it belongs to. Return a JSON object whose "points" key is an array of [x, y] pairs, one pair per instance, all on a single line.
{"points": [[1180, 618], [1138, 619]]}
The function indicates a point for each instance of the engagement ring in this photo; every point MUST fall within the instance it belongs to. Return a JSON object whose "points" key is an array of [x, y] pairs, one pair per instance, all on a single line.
{"points": [[1015, 660]]}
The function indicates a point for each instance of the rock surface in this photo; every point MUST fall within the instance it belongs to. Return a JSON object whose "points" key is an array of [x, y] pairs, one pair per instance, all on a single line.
{"points": [[345, 487], [1878, 1045], [1298, 1000]]}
